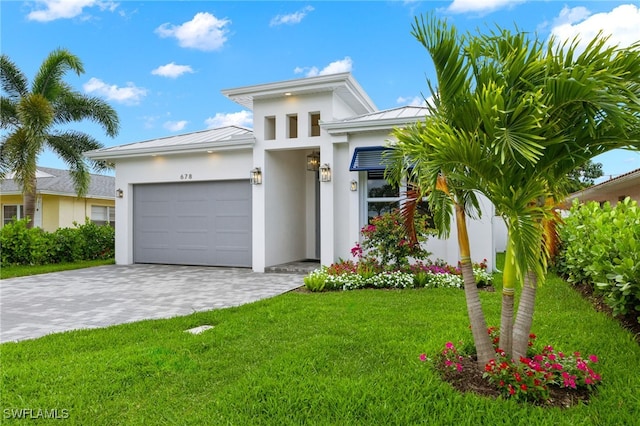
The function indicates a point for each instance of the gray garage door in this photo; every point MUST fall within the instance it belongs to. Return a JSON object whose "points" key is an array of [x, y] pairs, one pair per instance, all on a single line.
{"points": [[194, 223]]}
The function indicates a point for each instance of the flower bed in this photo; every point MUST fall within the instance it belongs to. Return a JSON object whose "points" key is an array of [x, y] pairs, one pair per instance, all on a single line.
{"points": [[532, 379], [349, 275]]}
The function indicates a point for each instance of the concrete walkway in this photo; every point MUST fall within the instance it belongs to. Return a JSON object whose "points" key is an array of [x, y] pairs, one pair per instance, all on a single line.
{"points": [[34, 306]]}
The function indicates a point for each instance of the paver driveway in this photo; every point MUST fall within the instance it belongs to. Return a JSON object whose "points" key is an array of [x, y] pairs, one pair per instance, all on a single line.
{"points": [[34, 306]]}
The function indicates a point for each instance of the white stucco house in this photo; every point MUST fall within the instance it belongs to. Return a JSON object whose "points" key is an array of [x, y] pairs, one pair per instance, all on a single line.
{"points": [[299, 185]]}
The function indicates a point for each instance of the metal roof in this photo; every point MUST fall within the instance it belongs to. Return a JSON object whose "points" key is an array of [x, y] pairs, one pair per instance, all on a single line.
{"points": [[229, 137], [59, 182], [379, 120]]}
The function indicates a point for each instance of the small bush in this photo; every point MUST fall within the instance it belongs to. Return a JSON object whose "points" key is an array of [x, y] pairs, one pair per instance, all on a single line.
{"points": [[23, 246], [385, 241]]}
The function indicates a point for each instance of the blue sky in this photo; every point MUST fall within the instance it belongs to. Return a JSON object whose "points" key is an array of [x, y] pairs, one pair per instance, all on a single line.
{"points": [[162, 64]]}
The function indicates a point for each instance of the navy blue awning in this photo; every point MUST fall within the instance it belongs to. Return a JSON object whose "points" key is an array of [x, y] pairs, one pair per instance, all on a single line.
{"points": [[368, 158]]}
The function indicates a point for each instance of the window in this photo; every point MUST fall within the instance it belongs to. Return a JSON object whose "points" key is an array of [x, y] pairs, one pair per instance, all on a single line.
{"points": [[103, 215], [269, 128], [292, 126], [11, 211], [382, 197], [314, 123]]}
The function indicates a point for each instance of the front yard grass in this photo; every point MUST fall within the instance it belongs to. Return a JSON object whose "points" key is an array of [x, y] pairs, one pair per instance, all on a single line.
{"points": [[342, 358], [25, 270]]}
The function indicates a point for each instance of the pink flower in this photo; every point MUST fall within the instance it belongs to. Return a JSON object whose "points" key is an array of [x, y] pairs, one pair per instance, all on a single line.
{"points": [[593, 358], [423, 357], [458, 367], [449, 345]]}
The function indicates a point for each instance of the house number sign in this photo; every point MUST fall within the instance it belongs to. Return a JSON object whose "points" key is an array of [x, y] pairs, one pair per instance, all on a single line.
{"points": [[186, 176]]}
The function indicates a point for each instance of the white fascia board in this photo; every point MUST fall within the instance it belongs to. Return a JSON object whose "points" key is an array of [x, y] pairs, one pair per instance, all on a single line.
{"points": [[74, 195], [228, 145], [610, 184], [325, 83], [339, 127]]}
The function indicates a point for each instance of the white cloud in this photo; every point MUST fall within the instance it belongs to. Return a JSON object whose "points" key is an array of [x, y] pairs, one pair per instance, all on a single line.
{"points": [[172, 70], [64, 9], [342, 65], [414, 101], [622, 24], [175, 126], [130, 94], [480, 6], [242, 118], [203, 32], [292, 18]]}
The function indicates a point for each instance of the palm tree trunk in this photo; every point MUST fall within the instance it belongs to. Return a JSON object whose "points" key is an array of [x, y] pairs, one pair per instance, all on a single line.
{"points": [[484, 348], [29, 202], [524, 319], [508, 295]]}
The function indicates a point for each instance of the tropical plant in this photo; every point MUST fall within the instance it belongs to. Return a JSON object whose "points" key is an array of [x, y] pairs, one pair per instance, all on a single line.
{"points": [[510, 118], [600, 246], [385, 242], [30, 115]]}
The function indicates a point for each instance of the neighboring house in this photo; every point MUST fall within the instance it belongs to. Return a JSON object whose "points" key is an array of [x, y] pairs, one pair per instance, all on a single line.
{"points": [[57, 204], [300, 185], [612, 190]]}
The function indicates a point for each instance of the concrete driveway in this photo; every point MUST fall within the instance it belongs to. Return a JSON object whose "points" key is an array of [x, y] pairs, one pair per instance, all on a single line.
{"points": [[34, 306]]}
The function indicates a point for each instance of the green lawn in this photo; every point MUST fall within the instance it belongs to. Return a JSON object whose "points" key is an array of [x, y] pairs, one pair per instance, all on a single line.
{"points": [[22, 270], [323, 358]]}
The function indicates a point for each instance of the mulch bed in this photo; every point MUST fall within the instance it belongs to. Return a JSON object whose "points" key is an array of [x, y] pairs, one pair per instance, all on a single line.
{"points": [[628, 322]]}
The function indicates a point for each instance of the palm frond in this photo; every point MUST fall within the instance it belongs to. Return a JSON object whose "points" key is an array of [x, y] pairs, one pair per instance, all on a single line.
{"points": [[12, 80], [49, 76]]}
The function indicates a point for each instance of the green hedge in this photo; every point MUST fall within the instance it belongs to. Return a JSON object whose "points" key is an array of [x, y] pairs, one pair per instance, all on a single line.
{"points": [[600, 245], [23, 246]]}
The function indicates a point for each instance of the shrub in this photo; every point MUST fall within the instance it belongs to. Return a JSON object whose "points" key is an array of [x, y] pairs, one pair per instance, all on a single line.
{"points": [[600, 246], [385, 242], [22, 246], [98, 240], [68, 245]]}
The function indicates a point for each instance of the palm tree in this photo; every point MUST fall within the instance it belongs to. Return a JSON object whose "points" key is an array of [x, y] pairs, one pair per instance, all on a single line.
{"points": [[29, 117], [526, 114]]}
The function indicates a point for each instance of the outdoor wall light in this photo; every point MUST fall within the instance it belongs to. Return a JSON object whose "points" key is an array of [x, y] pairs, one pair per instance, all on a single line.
{"points": [[255, 176], [313, 161], [354, 185], [325, 173], [119, 193]]}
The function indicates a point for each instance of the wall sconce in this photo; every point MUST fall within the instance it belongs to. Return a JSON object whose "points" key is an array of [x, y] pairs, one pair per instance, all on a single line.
{"points": [[255, 176], [354, 185], [325, 173], [313, 162], [119, 193]]}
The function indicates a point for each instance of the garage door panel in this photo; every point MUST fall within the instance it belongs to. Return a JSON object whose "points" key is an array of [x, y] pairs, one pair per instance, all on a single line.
{"points": [[195, 223]]}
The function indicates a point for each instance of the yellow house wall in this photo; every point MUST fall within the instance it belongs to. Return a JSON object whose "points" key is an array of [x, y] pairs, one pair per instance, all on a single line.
{"points": [[50, 212], [72, 210], [60, 211]]}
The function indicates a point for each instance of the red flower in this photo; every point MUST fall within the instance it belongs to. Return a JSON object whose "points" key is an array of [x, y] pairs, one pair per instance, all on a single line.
{"points": [[523, 387]]}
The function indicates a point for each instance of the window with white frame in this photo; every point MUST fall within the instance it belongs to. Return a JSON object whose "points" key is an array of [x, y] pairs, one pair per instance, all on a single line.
{"points": [[382, 197], [103, 215], [11, 211]]}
